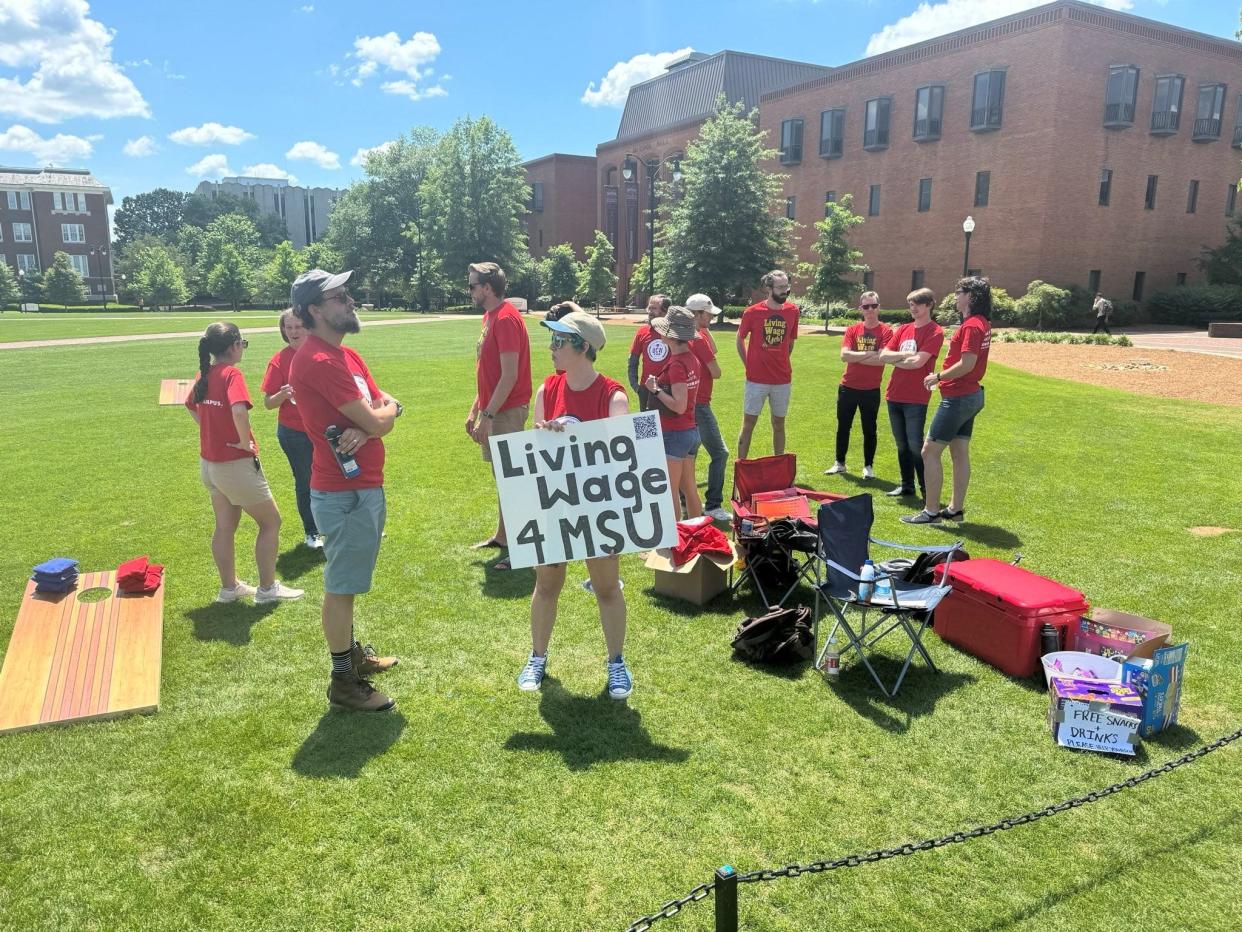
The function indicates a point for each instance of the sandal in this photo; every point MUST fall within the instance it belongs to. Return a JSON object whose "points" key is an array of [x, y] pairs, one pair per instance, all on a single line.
{"points": [[923, 517], [485, 544], [958, 516], [502, 564]]}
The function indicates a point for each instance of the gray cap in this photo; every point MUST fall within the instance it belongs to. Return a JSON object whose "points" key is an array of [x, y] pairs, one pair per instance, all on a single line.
{"points": [[308, 288]]}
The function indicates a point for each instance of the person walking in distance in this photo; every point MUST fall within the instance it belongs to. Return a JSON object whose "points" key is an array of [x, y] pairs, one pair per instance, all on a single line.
{"points": [[1103, 313], [649, 350], [704, 349], [765, 341], [859, 390]]}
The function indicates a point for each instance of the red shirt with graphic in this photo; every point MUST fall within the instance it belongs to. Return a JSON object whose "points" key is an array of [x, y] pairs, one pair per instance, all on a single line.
{"points": [[504, 331], [277, 375], [973, 336], [590, 404], [772, 334], [325, 377], [226, 386], [650, 347], [861, 339], [682, 367], [703, 352], [906, 385]]}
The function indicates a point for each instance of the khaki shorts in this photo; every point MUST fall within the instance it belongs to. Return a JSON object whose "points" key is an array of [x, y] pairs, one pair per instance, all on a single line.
{"points": [[240, 481], [756, 393], [509, 421]]}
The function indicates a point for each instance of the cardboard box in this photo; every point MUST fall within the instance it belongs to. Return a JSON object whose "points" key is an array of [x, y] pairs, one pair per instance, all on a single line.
{"points": [[1118, 635], [1094, 716], [699, 580], [1158, 681]]}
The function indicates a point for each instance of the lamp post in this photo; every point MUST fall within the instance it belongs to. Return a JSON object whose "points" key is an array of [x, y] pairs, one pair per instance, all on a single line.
{"points": [[968, 227], [654, 167], [102, 255]]}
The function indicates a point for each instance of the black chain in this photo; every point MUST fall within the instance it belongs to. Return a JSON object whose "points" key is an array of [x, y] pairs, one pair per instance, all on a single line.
{"points": [[673, 907]]}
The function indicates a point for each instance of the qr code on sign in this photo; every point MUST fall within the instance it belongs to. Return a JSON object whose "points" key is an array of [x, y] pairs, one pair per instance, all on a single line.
{"points": [[646, 427]]}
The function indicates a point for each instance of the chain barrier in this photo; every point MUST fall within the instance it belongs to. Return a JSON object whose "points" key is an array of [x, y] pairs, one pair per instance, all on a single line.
{"points": [[673, 907]]}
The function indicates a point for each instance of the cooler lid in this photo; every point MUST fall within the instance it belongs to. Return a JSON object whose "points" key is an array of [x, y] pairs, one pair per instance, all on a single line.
{"points": [[1013, 584]]}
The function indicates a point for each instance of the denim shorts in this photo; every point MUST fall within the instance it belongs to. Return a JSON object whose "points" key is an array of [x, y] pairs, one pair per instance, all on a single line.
{"points": [[352, 524], [956, 417], [680, 444]]}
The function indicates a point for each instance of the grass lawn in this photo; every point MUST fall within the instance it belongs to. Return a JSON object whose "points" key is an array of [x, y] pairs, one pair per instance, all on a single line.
{"points": [[14, 326], [244, 803]]}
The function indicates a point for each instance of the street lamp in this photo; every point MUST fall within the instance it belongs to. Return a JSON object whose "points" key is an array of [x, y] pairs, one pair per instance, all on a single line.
{"points": [[654, 167], [968, 227], [102, 254]]}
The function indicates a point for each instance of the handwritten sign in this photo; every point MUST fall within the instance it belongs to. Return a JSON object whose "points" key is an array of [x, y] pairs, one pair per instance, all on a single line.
{"points": [[1095, 729], [595, 489]]}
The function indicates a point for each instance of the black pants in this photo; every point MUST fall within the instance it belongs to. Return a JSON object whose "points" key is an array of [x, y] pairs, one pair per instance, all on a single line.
{"points": [[1102, 322], [866, 401]]}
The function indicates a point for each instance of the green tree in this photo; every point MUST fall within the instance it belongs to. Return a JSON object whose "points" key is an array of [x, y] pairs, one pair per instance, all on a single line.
{"points": [[597, 282], [560, 272], [131, 258], [201, 211], [9, 292], [151, 213], [1043, 305], [835, 276], [228, 230], [231, 278], [727, 228], [30, 284], [160, 282], [639, 277], [321, 255], [285, 265], [62, 284], [1223, 265]]}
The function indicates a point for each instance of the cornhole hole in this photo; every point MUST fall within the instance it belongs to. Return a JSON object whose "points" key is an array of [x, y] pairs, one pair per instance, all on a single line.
{"points": [[175, 391], [73, 660]]}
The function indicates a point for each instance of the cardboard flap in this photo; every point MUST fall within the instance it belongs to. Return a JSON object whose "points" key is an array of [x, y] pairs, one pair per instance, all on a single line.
{"points": [[1145, 634], [662, 560]]}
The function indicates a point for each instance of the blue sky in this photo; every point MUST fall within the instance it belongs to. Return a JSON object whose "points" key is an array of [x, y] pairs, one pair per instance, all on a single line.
{"points": [[151, 94]]}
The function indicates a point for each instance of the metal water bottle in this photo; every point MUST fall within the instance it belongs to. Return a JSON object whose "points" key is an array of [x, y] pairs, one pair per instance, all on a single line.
{"points": [[1049, 640], [349, 466]]}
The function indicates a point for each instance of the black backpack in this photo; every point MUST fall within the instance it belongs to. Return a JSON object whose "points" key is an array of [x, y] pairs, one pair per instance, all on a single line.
{"points": [[783, 635]]}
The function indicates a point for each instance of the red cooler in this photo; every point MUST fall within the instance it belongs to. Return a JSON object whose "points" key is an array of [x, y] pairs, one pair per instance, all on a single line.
{"points": [[996, 611]]}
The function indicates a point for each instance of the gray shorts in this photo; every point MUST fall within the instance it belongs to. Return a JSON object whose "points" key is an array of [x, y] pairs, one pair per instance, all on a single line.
{"points": [[776, 395], [352, 524]]}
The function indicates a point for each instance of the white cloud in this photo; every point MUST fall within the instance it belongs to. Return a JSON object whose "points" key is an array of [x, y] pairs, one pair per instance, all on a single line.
{"points": [[58, 150], [142, 146], [309, 8], [211, 166], [314, 152], [616, 84], [210, 134], [360, 157], [406, 64], [64, 63], [268, 170], [411, 90], [930, 20]]}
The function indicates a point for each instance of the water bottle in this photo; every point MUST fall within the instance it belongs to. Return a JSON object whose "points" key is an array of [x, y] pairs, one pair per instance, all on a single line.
{"points": [[831, 664], [883, 588], [1049, 640], [349, 466], [866, 589]]}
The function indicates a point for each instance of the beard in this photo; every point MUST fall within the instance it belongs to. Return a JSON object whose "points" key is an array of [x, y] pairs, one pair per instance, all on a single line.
{"points": [[350, 323]]}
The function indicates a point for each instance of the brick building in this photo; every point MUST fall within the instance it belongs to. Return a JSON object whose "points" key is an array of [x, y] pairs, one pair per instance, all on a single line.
{"points": [[50, 210], [562, 202], [304, 210]]}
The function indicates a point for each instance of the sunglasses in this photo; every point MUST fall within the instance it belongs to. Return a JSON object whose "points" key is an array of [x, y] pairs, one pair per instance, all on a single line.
{"points": [[243, 343], [869, 307], [559, 340], [343, 297]]}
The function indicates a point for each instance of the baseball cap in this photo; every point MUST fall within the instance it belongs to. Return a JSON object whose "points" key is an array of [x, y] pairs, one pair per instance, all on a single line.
{"points": [[309, 287], [580, 324], [701, 302]]}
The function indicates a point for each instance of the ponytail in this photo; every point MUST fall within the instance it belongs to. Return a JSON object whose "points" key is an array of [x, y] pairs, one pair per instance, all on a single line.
{"points": [[216, 339]]}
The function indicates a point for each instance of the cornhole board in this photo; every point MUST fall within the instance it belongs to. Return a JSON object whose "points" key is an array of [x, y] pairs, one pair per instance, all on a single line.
{"points": [[175, 391], [71, 661]]}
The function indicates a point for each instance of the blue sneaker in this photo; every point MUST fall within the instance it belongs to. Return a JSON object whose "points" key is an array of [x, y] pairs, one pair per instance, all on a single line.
{"points": [[620, 683], [531, 677]]}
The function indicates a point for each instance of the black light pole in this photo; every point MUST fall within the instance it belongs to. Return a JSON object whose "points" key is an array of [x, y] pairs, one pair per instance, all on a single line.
{"points": [[968, 227], [102, 255], [653, 167]]}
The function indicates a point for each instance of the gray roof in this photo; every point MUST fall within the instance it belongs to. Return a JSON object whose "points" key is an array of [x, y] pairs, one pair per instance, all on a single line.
{"points": [[49, 177], [689, 91]]}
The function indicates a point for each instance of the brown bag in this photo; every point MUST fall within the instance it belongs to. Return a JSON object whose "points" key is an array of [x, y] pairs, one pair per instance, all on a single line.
{"points": [[783, 635]]}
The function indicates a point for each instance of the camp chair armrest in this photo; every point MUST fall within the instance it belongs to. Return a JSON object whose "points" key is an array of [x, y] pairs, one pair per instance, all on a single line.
{"points": [[850, 574], [938, 548]]}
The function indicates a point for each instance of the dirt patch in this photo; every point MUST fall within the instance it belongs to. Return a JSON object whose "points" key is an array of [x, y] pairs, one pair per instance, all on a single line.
{"points": [[1162, 373], [1209, 531]]}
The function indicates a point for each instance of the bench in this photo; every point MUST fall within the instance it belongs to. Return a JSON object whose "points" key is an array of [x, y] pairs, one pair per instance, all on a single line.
{"points": [[1225, 328]]}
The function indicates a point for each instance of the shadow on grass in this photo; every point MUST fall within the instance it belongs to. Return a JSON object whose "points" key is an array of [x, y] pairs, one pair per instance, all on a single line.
{"points": [[784, 671], [229, 622], [505, 584], [591, 730], [344, 742], [919, 693], [987, 534], [298, 562]]}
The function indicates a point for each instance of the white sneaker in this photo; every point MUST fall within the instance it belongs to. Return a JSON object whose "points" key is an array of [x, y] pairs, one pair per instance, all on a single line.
{"points": [[279, 592], [868, 472], [898, 492], [314, 541], [834, 469], [720, 514], [243, 590]]}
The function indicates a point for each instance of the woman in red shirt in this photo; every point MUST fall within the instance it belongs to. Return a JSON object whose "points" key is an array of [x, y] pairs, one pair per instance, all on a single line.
{"points": [[290, 431], [676, 388], [576, 393], [229, 466]]}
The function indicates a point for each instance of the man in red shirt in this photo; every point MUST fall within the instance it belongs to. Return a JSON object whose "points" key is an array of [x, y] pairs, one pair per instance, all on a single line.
{"points": [[649, 347], [502, 374], [912, 352], [765, 341], [860, 385], [337, 396], [961, 398]]}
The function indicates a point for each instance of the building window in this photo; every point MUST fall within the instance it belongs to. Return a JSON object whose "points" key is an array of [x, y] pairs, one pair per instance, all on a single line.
{"points": [[1237, 125], [1181, 279], [72, 233], [536, 197], [924, 195], [791, 142], [983, 188], [1106, 185], [1192, 197], [832, 133], [830, 197], [1231, 199], [26, 262], [19, 200], [875, 124], [988, 101], [916, 279], [1093, 281], [1208, 112], [1138, 285], [868, 280], [1120, 95], [1166, 105], [81, 265], [873, 201], [22, 233], [791, 207], [928, 112], [1150, 200]]}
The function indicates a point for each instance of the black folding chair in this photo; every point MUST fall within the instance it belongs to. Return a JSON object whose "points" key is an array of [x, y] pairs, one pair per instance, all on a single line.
{"points": [[844, 539]]}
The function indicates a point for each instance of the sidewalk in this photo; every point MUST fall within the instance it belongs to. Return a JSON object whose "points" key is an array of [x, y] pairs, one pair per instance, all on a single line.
{"points": [[1184, 339]]}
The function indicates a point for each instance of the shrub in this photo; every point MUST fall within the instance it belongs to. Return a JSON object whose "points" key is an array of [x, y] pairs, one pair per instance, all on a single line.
{"points": [[1193, 305], [1042, 306], [1074, 339]]}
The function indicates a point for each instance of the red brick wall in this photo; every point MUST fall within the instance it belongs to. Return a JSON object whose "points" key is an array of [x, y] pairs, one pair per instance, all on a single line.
{"points": [[95, 222], [568, 214]]}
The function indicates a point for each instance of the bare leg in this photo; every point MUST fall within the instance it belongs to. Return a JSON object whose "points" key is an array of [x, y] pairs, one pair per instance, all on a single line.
{"points": [[549, 580], [674, 485], [743, 439], [933, 473], [606, 583], [690, 488], [228, 516], [959, 450], [338, 621], [267, 516], [778, 435]]}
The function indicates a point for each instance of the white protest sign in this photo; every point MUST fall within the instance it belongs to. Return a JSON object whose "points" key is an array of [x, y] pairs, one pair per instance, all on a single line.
{"points": [[597, 488], [1085, 728]]}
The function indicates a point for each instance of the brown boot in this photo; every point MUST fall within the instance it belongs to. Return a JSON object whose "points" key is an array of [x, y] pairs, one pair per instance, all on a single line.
{"points": [[367, 663], [354, 694]]}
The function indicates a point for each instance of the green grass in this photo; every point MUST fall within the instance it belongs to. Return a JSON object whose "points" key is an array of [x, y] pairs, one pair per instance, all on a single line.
{"points": [[245, 804], [15, 327]]}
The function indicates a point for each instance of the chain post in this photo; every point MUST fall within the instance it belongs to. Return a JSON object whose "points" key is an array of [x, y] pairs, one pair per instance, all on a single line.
{"points": [[726, 899]]}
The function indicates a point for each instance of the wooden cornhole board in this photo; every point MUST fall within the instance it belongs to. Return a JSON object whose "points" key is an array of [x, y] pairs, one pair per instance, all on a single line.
{"points": [[71, 661], [175, 391]]}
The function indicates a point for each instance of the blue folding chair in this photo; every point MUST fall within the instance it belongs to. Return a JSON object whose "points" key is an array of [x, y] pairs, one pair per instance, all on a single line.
{"points": [[844, 546]]}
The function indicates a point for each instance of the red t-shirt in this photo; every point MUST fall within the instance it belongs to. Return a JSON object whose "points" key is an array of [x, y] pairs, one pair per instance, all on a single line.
{"points": [[650, 347], [906, 385], [681, 367], [704, 353], [772, 334], [276, 376], [325, 377], [973, 336], [504, 331], [590, 404], [226, 386], [859, 338]]}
